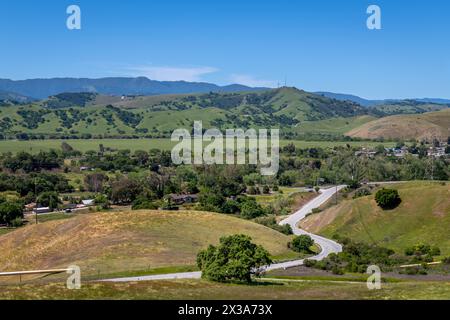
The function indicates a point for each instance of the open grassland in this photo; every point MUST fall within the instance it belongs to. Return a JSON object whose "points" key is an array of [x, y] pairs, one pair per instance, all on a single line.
{"points": [[422, 217], [35, 146], [201, 289], [296, 197], [334, 125], [419, 127], [106, 243]]}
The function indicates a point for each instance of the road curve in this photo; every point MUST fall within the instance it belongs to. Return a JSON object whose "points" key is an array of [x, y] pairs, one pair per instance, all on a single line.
{"points": [[327, 246]]}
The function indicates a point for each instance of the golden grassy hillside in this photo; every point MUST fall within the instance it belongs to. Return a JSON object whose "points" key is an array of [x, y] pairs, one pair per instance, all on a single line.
{"points": [[126, 241], [420, 127]]}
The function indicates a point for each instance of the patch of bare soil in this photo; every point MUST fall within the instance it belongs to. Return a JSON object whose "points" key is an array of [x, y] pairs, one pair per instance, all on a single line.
{"points": [[316, 222]]}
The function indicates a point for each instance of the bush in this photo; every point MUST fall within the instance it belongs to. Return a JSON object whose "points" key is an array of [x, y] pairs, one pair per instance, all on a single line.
{"points": [[271, 222], [236, 258], [301, 243], [387, 198], [142, 203], [251, 209], [17, 222], [362, 193]]}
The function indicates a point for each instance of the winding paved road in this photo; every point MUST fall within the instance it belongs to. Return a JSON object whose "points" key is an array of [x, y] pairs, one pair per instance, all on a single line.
{"points": [[328, 246]]}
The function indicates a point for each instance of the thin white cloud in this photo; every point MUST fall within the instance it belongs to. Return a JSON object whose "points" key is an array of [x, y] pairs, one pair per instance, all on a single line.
{"points": [[166, 73], [252, 81]]}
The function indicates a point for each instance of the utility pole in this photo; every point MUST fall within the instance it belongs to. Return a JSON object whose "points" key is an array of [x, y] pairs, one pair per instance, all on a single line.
{"points": [[36, 195]]}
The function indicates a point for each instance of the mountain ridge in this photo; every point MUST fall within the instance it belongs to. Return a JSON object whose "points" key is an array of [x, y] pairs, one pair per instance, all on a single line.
{"points": [[43, 88], [373, 103]]}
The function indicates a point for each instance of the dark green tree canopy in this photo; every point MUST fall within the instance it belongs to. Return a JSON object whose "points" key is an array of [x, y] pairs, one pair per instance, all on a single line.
{"points": [[236, 258], [387, 198]]}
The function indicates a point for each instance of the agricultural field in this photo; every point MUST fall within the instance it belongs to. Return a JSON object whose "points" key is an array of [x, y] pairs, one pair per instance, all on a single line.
{"points": [[35, 146]]}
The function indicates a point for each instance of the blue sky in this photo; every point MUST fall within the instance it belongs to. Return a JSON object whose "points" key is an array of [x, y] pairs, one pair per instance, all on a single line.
{"points": [[316, 45]]}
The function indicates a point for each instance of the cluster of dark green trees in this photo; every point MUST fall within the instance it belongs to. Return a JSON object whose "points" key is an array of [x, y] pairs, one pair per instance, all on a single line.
{"points": [[357, 256]]}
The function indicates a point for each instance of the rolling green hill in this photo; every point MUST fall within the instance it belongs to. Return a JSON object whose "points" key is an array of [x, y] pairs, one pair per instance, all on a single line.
{"points": [[420, 127], [78, 114], [408, 107], [422, 217]]}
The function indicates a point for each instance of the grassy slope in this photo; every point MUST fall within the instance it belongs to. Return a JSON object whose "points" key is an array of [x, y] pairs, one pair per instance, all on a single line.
{"points": [[200, 289], [423, 126], [127, 241], [334, 125], [423, 216]]}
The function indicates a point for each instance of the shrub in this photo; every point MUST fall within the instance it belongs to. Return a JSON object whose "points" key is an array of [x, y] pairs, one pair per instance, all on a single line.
{"points": [[253, 190], [362, 193], [236, 258], [142, 203], [422, 249], [387, 198], [271, 222], [301, 243], [251, 209], [17, 222]]}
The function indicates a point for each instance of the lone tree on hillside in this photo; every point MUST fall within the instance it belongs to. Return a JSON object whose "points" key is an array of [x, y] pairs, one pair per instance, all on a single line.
{"points": [[236, 258], [388, 198]]}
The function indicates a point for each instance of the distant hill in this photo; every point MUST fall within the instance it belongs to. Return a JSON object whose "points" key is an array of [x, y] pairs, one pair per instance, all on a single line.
{"points": [[407, 107], [44, 88], [349, 97], [420, 127], [373, 103], [76, 114], [12, 98]]}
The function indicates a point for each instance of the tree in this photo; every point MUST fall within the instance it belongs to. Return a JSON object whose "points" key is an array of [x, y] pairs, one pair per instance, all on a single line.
{"points": [[387, 198], [302, 243], [251, 209], [125, 191], [102, 201], [10, 211], [235, 258], [66, 148], [94, 182], [49, 199]]}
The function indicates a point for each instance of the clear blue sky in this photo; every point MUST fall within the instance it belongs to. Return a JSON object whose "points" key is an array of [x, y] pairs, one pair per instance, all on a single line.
{"points": [[317, 45]]}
